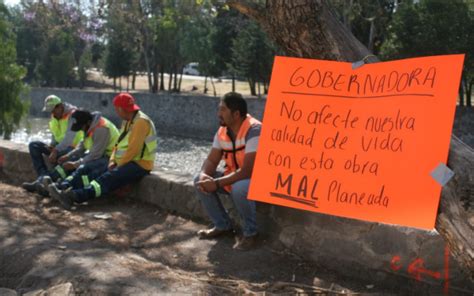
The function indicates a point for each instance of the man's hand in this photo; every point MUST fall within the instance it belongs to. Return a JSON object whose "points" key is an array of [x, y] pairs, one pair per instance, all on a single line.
{"points": [[207, 185], [69, 165], [202, 177], [53, 156], [63, 158], [112, 165]]}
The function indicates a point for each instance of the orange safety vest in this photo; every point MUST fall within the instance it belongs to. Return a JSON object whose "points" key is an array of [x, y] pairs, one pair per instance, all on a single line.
{"points": [[234, 150], [114, 134]]}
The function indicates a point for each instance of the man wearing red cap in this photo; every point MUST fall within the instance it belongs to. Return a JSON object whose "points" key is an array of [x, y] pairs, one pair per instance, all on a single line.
{"points": [[132, 158]]}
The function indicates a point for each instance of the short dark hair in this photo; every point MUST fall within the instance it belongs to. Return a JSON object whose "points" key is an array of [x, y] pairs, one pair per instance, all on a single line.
{"points": [[235, 102]]}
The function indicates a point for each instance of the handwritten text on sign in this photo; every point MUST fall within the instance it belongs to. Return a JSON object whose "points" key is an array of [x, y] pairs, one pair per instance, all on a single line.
{"points": [[357, 143]]}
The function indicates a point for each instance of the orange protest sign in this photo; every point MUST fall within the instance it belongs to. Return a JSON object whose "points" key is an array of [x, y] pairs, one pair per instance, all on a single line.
{"points": [[357, 143]]}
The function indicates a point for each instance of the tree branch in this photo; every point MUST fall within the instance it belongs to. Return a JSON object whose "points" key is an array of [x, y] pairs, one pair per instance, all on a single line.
{"points": [[249, 8]]}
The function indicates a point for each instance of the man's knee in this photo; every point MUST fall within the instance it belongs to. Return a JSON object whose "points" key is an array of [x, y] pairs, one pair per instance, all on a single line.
{"points": [[196, 179], [34, 145], [240, 188]]}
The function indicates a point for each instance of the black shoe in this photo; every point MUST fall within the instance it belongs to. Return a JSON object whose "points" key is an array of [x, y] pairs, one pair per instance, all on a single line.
{"points": [[66, 198], [46, 181], [246, 243], [29, 186], [41, 190]]}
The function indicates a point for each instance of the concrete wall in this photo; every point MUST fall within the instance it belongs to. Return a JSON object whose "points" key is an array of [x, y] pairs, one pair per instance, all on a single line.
{"points": [[189, 116], [374, 253]]}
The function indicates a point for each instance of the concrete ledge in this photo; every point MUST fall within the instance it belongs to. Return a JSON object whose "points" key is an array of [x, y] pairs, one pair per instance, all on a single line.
{"points": [[369, 251]]}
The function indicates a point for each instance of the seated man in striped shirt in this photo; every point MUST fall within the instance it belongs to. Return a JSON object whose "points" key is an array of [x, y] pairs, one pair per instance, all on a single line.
{"points": [[236, 143]]}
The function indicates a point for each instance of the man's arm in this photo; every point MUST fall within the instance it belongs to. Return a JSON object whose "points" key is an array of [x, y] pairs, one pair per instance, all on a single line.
{"points": [[212, 161], [68, 138], [76, 152], [245, 172], [101, 141]]}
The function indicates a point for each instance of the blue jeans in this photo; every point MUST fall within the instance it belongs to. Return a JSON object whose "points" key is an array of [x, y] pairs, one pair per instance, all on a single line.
{"points": [[110, 181], [82, 176], [246, 208], [37, 149]]}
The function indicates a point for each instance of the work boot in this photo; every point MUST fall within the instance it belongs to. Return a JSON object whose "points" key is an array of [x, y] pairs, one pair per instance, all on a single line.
{"points": [[246, 243], [213, 233], [65, 198], [46, 181], [29, 186], [41, 189]]}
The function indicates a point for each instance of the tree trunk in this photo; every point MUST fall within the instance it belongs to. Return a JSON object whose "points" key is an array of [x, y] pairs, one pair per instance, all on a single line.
{"points": [[170, 80], [213, 87], [370, 45], [145, 45], [180, 80], [175, 82], [252, 87], [462, 90], [469, 93], [154, 88], [134, 79], [162, 76], [310, 29]]}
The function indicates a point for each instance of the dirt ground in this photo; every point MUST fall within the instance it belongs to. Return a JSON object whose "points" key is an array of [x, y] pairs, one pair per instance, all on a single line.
{"points": [[140, 250]]}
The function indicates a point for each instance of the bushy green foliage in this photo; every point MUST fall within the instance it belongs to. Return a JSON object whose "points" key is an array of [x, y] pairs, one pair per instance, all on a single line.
{"points": [[252, 55], [11, 85], [433, 27]]}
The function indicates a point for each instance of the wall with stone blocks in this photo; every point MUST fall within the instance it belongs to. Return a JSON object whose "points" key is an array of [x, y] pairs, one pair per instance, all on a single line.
{"points": [[181, 115]]}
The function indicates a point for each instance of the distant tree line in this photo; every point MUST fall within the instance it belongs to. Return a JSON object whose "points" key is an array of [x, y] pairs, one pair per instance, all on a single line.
{"points": [[57, 41]]}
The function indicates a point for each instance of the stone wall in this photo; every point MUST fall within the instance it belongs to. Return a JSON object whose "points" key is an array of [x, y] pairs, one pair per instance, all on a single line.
{"points": [[191, 115], [372, 252], [181, 115]]}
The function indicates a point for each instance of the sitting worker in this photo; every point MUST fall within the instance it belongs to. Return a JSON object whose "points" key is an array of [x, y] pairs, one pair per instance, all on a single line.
{"points": [[236, 143], [101, 136], [63, 140], [132, 158]]}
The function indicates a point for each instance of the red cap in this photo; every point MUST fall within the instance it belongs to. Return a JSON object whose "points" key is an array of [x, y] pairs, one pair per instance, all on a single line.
{"points": [[126, 102]]}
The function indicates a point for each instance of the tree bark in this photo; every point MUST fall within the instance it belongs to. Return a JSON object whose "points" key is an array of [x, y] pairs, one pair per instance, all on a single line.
{"points": [[469, 93], [310, 29]]}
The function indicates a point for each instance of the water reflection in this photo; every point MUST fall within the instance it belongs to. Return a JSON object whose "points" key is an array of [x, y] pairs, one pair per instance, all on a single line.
{"points": [[177, 154]]}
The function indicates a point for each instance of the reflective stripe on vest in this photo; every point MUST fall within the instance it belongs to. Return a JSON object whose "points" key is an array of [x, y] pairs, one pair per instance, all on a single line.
{"points": [[58, 128], [234, 151], [148, 151], [113, 132]]}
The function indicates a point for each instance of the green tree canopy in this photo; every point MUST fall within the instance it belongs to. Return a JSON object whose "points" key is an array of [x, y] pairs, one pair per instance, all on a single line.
{"points": [[11, 85], [432, 27]]}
